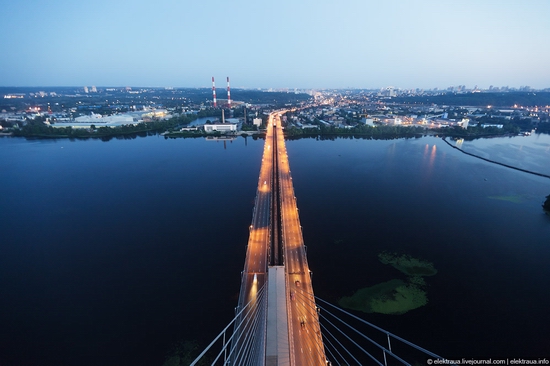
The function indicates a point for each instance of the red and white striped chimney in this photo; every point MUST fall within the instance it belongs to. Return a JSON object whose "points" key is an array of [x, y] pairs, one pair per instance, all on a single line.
{"points": [[214, 92], [228, 93]]}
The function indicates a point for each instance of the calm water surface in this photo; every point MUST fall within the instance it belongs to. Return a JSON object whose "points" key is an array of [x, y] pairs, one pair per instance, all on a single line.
{"points": [[113, 251]]}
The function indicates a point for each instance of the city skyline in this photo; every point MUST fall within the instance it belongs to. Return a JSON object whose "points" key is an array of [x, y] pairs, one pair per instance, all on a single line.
{"points": [[356, 44]]}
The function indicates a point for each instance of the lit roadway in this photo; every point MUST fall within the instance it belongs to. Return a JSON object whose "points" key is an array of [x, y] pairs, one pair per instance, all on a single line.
{"points": [[254, 274], [306, 344]]}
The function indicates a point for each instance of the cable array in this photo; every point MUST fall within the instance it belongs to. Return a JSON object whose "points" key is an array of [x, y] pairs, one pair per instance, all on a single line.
{"points": [[347, 345], [245, 344], [344, 343]]}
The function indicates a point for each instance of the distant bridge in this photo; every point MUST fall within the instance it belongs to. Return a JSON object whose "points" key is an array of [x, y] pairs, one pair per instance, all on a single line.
{"points": [[277, 319]]}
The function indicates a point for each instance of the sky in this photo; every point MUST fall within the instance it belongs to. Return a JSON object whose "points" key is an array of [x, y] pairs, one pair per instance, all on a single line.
{"points": [[275, 44]]}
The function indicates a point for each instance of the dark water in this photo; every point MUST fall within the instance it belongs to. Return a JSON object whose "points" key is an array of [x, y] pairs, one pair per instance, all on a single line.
{"points": [[423, 198], [111, 252]]}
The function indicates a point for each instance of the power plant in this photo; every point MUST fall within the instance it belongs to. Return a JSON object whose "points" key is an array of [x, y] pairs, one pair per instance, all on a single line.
{"points": [[215, 102], [228, 94], [214, 92]]}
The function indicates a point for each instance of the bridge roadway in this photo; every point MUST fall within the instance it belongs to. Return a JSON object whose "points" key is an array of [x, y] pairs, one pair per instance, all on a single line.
{"points": [[305, 341], [255, 268]]}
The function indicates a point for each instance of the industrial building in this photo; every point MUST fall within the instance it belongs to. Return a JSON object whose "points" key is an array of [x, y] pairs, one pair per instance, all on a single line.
{"points": [[221, 127]]}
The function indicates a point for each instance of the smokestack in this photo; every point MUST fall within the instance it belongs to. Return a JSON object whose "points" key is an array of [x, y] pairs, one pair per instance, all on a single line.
{"points": [[214, 92], [228, 93], [223, 116]]}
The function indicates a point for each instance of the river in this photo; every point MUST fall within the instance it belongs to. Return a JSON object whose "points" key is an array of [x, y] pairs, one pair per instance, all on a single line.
{"points": [[113, 252]]}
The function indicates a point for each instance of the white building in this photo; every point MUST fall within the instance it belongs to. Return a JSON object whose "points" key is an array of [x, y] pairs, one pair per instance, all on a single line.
{"points": [[98, 118], [98, 121], [464, 123], [368, 121], [222, 127], [388, 92], [257, 122]]}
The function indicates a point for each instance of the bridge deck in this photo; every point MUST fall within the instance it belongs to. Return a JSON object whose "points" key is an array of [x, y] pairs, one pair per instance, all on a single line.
{"points": [[306, 342], [301, 343], [277, 350]]}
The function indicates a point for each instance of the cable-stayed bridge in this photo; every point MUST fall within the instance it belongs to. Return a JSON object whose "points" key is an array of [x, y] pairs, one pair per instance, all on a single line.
{"points": [[278, 320]]}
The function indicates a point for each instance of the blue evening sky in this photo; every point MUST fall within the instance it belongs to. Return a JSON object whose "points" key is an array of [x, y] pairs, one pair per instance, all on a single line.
{"points": [[277, 43]]}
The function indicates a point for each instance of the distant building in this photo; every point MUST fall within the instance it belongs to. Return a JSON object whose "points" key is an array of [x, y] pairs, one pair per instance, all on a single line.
{"points": [[464, 123], [388, 92], [257, 122], [14, 96], [12, 117], [156, 113], [98, 121], [221, 127], [395, 121], [98, 118], [368, 121]]}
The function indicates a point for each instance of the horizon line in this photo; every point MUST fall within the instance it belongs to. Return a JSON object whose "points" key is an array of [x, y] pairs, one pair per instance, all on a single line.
{"points": [[278, 88]]}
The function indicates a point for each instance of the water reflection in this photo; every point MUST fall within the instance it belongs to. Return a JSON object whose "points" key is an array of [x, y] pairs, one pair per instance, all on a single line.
{"points": [[432, 156], [391, 149], [390, 155], [429, 156]]}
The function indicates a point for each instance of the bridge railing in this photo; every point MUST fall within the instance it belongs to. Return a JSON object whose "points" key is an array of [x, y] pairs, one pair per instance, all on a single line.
{"points": [[350, 340], [242, 341], [347, 339]]}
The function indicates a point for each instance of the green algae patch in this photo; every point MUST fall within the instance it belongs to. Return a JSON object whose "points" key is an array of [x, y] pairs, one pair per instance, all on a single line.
{"points": [[407, 264], [513, 199], [391, 297], [395, 296]]}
